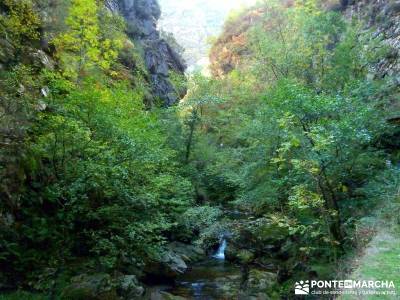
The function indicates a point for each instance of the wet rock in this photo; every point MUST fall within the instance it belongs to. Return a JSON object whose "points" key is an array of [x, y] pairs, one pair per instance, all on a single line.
{"points": [[154, 292], [229, 286], [90, 287], [170, 266], [189, 253], [159, 293], [129, 288], [21, 90], [45, 91], [168, 296], [174, 263], [43, 60], [260, 281], [41, 106]]}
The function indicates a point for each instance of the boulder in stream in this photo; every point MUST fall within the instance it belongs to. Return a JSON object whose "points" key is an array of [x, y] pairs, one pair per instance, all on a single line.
{"points": [[170, 266], [189, 253], [128, 287]]}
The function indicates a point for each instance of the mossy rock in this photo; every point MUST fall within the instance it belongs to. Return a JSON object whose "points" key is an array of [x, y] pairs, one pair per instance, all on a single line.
{"points": [[260, 281], [245, 256], [90, 287], [189, 253], [168, 267], [129, 288], [229, 286]]}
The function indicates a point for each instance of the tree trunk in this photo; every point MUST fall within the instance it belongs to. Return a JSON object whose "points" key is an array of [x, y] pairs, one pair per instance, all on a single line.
{"points": [[192, 127]]}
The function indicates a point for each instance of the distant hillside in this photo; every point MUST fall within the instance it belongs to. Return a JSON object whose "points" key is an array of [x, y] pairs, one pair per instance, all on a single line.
{"points": [[231, 49], [193, 22]]}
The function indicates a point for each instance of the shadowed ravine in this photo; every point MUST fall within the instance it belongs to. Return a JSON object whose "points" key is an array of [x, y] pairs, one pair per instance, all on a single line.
{"points": [[125, 176]]}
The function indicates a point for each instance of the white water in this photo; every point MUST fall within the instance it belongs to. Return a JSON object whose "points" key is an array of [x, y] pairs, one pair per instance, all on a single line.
{"points": [[220, 254]]}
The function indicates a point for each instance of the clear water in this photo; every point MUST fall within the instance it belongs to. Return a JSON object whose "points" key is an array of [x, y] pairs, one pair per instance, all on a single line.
{"points": [[208, 280]]}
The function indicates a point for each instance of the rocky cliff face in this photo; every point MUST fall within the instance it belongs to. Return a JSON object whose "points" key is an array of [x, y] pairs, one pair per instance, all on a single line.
{"points": [[141, 17], [160, 58], [383, 17]]}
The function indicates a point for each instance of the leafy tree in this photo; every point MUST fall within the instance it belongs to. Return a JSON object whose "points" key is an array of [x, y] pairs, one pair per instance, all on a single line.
{"points": [[295, 136], [290, 145], [97, 178], [83, 47]]}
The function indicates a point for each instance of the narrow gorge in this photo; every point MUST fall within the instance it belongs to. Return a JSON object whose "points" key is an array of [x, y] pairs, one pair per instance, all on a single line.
{"points": [[268, 161]]}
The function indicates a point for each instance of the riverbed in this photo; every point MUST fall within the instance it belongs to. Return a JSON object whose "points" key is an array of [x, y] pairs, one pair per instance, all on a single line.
{"points": [[212, 279]]}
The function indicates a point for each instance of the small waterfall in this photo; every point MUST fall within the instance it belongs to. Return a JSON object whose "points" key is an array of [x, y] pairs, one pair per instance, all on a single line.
{"points": [[220, 254]]}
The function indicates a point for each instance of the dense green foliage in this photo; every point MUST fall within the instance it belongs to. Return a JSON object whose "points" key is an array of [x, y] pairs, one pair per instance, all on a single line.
{"points": [[297, 137], [92, 174], [92, 180]]}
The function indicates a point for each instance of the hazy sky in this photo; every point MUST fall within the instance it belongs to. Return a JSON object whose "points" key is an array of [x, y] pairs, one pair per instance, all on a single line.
{"points": [[193, 21]]}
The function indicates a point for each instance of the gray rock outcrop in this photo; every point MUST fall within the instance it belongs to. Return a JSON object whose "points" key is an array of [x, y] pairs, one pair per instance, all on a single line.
{"points": [[160, 58], [383, 17]]}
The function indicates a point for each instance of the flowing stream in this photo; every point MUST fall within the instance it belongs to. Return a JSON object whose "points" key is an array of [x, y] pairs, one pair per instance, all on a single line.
{"points": [[210, 279]]}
